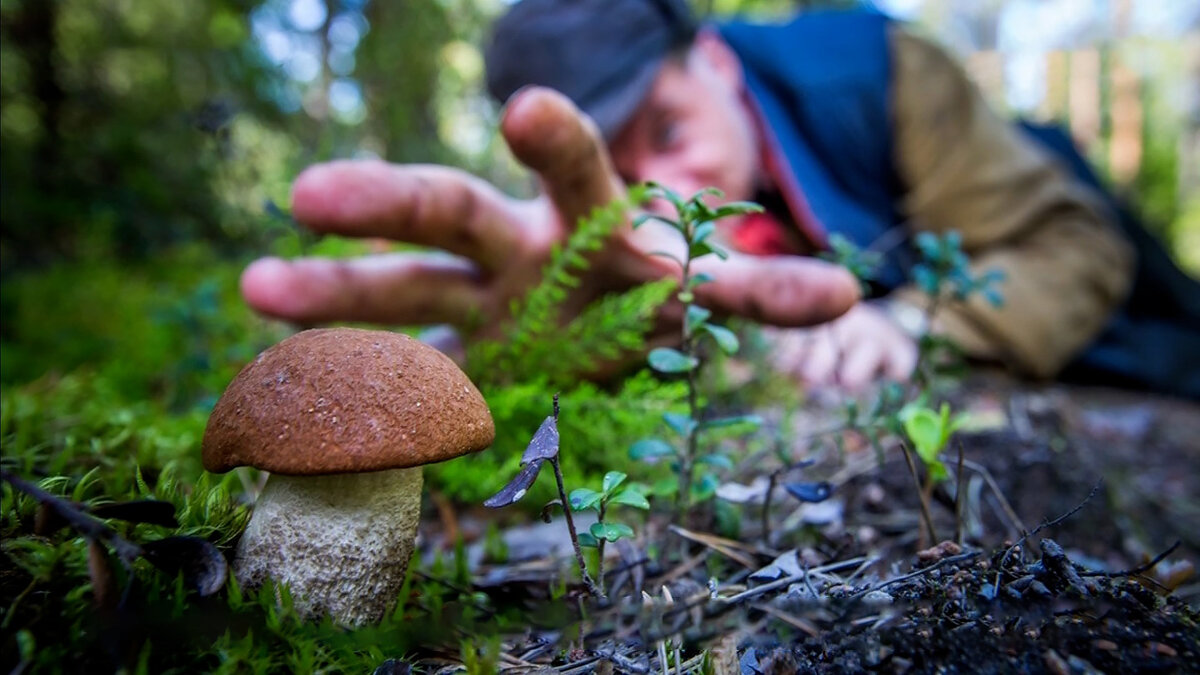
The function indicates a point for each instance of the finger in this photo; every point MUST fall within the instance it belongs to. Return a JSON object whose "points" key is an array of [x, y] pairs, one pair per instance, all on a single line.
{"points": [[779, 290], [820, 363], [902, 360], [547, 133], [861, 363], [394, 289], [421, 204]]}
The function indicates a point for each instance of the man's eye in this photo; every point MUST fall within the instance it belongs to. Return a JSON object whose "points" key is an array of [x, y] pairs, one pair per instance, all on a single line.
{"points": [[665, 135]]}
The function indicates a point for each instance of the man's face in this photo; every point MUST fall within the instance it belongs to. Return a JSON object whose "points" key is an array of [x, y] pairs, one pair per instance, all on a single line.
{"points": [[693, 130]]}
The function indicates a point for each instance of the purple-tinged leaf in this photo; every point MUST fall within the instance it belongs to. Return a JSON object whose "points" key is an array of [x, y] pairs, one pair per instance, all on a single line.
{"points": [[517, 487], [204, 568], [810, 492], [544, 444]]}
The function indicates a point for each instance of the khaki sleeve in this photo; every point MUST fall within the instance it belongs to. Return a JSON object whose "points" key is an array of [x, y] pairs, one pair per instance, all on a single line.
{"points": [[1066, 266]]}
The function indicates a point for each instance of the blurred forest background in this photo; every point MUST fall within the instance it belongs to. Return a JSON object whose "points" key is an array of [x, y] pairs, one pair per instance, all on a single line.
{"points": [[147, 147]]}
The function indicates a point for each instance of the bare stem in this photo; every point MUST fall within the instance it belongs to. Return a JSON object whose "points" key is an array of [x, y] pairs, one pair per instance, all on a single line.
{"points": [[766, 509], [926, 516], [566, 505], [958, 500], [600, 552]]}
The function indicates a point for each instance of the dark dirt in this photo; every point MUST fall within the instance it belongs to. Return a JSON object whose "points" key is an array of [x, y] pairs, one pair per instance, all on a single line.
{"points": [[1076, 596]]}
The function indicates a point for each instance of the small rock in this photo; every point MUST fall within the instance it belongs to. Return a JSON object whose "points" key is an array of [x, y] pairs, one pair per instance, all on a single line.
{"points": [[945, 549], [1163, 649], [1055, 663], [876, 598]]}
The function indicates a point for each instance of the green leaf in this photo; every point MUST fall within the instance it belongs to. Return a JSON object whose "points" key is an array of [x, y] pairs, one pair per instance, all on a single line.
{"points": [[695, 317], [654, 189], [716, 460], [736, 209], [924, 429], [644, 218], [703, 232], [726, 340], [937, 470], [583, 499], [631, 496], [705, 488], [610, 531], [650, 448], [679, 423], [702, 248], [611, 480], [587, 540], [668, 360], [754, 421], [668, 255], [699, 278]]}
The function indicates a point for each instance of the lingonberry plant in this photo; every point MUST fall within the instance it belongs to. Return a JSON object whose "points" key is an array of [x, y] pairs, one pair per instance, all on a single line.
{"points": [[695, 222], [603, 530]]}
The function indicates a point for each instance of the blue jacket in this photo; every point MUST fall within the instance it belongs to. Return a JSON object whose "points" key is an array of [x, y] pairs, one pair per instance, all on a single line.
{"points": [[796, 73]]}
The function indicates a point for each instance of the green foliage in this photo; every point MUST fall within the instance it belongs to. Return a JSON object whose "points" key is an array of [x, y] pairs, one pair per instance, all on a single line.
{"points": [[536, 346], [583, 499], [930, 431], [602, 422], [945, 270], [863, 264], [173, 329], [695, 222]]}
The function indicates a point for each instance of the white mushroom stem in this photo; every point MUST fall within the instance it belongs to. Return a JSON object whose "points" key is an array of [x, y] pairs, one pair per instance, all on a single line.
{"points": [[341, 543]]}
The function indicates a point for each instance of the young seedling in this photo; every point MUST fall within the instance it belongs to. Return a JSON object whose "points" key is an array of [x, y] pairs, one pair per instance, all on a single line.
{"points": [[695, 221], [604, 531], [929, 432], [544, 448]]}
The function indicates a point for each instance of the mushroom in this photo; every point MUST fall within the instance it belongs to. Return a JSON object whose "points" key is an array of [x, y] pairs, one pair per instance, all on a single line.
{"points": [[343, 419]]}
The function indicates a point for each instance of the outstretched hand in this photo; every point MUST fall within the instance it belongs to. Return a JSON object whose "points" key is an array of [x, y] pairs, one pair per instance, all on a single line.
{"points": [[499, 244]]}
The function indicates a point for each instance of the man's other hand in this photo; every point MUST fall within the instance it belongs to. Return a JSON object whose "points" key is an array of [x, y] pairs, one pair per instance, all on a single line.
{"points": [[860, 347], [494, 246]]}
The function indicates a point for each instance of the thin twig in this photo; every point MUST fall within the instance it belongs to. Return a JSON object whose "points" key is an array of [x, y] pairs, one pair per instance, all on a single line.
{"points": [[925, 513], [1137, 570], [958, 500], [924, 570], [1044, 524], [1009, 512], [789, 580], [566, 506]]}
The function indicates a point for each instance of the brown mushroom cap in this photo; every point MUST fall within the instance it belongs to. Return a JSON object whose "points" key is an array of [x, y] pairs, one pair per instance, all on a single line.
{"points": [[345, 400]]}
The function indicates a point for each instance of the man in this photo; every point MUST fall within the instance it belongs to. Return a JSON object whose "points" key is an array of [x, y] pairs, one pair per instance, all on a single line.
{"points": [[838, 122]]}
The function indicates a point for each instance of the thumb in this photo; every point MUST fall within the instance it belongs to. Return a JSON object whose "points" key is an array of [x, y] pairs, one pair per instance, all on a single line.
{"points": [[777, 290]]}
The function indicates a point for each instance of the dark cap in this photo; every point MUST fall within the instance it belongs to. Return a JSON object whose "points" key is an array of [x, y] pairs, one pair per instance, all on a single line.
{"points": [[603, 54]]}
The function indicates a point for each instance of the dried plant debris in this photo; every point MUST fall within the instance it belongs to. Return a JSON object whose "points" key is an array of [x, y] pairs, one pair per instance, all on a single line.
{"points": [[202, 566]]}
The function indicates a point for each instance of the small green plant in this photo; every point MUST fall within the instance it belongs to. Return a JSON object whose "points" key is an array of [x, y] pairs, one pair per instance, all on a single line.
{"points": [[929, 431], [542, 449], [535, 344], [862, 263], [695, 222], [604, 531]]}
